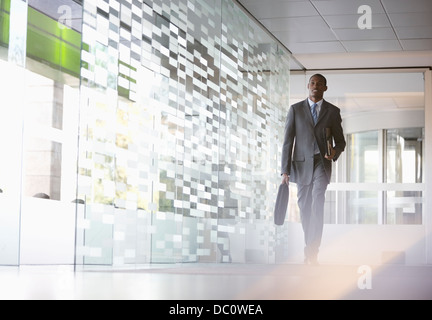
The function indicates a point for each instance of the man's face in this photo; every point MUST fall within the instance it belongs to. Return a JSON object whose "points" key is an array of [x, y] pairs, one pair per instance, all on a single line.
{"points": [[316, 88]]}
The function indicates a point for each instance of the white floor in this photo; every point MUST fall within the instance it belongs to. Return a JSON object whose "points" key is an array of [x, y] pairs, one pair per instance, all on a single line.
{"points": [[215, 282]]}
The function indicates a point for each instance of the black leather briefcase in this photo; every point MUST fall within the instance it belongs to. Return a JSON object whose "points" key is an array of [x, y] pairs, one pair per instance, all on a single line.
{"points": [[281, 204]]}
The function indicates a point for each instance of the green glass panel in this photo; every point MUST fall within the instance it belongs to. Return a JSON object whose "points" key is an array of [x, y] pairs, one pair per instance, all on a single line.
{"points": [[52, 43], [4, 22]]}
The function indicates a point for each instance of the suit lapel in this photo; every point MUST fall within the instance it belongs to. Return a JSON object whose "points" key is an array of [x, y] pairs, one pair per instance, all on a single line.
{"points": [[308, 112], [324, 109]]}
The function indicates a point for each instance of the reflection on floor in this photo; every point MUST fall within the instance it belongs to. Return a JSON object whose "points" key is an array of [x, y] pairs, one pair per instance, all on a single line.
{"points": [[217, 281]]}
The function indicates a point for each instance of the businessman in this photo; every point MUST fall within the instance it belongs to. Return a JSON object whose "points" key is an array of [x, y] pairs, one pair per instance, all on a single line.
{"points": [[307, 158]]}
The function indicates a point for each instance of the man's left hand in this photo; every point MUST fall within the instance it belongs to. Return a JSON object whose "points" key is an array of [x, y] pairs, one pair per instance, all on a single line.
{"points": [[332, 155]]}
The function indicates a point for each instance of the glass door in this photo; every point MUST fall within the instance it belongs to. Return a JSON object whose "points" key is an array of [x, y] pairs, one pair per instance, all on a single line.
{"points": [[404, 153]]}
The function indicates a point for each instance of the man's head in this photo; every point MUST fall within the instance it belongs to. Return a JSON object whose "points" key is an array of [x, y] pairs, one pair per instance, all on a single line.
{"points": [[317, 86]]}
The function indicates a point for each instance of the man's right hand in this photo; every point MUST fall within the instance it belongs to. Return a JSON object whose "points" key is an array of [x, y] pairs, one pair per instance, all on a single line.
{"points": [[285, 179]]}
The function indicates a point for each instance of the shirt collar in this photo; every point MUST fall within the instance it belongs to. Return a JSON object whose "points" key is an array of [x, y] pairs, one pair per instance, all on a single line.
{"points": [[319, 103]]}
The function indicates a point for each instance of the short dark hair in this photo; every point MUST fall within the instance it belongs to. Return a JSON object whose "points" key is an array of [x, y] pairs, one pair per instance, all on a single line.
{"points": [[320, 76]]}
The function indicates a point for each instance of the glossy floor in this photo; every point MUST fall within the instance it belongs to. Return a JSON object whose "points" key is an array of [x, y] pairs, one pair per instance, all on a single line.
{"points": [[217, 281]]}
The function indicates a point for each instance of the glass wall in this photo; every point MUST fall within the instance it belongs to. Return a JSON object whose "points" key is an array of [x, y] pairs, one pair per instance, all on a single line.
{"points": [[404, 162], [40, 65], [181, 100], [143, 132], [364, 166], [389, 165]]}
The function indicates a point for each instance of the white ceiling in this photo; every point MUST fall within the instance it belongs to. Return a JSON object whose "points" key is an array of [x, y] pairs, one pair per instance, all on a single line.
{"points": [[324, 34], [366, 91]]}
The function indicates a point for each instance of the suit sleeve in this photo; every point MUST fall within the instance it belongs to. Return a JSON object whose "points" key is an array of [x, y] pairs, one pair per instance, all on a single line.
{"points": [[289, 138], [338, 136]]}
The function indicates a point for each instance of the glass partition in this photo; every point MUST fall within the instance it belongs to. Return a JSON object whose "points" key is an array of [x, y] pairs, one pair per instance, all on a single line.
{"points": [[39, 63], [404, 151], [177, 162], [143, 131], [389, 188], [4, 30], [364, 166], [363, 157], [10, 166]]}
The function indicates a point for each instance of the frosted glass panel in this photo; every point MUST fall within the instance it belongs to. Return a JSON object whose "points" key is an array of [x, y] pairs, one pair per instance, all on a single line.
{"points": [[182, 115]]}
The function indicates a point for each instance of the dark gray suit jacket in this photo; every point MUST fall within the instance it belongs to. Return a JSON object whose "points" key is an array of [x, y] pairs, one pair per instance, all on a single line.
{"points": [[300, 135]]}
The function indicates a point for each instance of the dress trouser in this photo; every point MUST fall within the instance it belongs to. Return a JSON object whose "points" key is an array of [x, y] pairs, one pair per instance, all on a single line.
{"points": [[311, 200]]}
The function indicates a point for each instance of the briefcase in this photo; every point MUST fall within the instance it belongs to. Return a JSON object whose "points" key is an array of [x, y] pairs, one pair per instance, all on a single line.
{"points": [[281, 204]]}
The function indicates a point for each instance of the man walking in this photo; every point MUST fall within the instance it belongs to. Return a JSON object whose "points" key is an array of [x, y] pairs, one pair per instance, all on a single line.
{"points": [[307, 158]]}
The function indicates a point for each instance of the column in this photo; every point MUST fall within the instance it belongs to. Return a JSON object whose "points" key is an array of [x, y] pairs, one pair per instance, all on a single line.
{"points": [[428, 166]]}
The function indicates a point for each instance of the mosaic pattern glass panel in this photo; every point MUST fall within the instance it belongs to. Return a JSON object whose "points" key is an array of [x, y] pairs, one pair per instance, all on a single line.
{"points": [[182, 113]]}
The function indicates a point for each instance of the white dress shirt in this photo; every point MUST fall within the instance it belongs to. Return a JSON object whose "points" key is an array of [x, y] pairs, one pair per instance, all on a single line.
{"points": [[318, 109]]}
